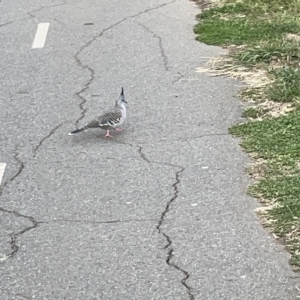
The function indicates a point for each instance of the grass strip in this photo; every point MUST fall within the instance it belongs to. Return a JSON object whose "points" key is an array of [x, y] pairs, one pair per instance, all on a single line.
{"points": [[264, 35]]}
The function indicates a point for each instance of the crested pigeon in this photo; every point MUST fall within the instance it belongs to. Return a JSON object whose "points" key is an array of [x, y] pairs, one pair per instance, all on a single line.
{"points": [[110, 119]]}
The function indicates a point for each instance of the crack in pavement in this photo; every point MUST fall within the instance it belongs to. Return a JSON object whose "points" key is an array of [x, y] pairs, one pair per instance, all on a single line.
{"points": [[7, 23], [21, 163], [178, 78], [190, 138], [30, 13], [143, 156], [186, 277], [169, 239], [98, 222], [170, 254], [89, 69], [162, 50], [25, 297], [14, 236], [52, 131], [21, 166]]}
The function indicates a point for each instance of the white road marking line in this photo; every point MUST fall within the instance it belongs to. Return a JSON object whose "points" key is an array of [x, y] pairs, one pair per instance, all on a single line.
{"points": [[2, 168], [40, 36]]}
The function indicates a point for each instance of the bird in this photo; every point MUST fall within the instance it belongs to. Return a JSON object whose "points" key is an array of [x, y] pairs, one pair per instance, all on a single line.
{"points": [[110, 119]]}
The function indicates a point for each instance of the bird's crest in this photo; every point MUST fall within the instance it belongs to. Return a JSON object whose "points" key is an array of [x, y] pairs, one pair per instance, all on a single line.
{"points": [[121, 98]]}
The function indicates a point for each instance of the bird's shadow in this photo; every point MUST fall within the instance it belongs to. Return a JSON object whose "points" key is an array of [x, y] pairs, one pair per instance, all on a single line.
{"points": [[90, 137]]}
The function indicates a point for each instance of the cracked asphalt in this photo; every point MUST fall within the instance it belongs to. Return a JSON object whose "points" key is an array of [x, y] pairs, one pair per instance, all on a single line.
{"points": [[157, 212]]}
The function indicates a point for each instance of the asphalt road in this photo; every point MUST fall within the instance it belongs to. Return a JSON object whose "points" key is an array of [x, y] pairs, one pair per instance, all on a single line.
{"points": [[157, 212]]}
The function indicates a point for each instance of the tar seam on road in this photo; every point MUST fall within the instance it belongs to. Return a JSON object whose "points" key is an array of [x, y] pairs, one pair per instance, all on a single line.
{"points": [[40, 36]]}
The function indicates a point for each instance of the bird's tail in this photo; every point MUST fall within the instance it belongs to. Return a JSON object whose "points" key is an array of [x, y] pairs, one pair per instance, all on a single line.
{"points": [[77, 130]]}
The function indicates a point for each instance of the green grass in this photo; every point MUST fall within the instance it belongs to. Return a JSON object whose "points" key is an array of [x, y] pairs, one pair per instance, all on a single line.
{"points": [[241, 31], [278, 50], [274, 140], [286, 87], [246, 23], [263, 27], [277, 141], [277, 138]]}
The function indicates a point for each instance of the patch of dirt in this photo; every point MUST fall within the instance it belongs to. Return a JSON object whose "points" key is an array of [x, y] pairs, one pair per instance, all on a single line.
{"points": [[257, 170], [224, 66], [292, 37], [275, 109], [204, 4]]}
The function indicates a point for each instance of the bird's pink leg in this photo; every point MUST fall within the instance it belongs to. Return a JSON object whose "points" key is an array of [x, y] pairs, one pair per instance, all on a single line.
{"points": [[107, 134], [118, 129]]}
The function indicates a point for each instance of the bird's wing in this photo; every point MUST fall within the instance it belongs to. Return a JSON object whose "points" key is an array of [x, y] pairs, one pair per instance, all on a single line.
{"points": [[110, 118], [94, 123]]}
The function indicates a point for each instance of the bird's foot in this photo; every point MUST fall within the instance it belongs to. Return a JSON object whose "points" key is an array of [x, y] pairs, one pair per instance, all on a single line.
{"points": [[107, 134]]}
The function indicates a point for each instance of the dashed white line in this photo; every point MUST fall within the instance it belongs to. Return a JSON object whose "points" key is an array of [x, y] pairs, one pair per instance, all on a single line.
{"points": [[2, 169], [40, 36]]}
